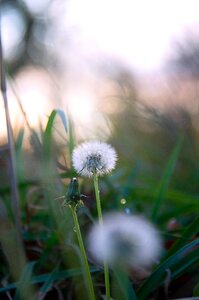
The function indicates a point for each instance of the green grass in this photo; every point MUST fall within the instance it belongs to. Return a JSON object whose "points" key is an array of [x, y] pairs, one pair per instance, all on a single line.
{"points": [[48, 261]]}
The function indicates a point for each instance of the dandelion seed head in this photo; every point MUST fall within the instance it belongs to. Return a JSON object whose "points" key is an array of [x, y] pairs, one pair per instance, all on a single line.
{"points": [[94, 157], [127, 240]]}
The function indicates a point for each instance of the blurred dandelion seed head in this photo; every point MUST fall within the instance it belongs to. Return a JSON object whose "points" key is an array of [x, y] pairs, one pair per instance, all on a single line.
{"points": [[126, 240], [94, 157]]}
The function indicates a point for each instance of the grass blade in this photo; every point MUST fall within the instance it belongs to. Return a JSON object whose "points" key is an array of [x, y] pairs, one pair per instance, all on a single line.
{"points": [[23, 287], [52, 118], [174, 263], [125, 285], [47, 285], [58, 276], [167, 174], [47, 135]]}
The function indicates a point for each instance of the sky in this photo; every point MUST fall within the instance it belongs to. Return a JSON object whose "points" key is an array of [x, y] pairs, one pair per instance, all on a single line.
{"points": [[141, 33]]}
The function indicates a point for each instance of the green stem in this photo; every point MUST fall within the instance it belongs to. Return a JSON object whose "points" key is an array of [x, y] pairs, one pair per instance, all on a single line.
{"points": [[99, 211], [83, 254]]}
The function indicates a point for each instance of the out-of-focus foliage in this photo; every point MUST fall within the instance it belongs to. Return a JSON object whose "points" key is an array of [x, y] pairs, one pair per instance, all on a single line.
{"points": [[157, 175], [141, 178], [186, 57], [30, 27]]}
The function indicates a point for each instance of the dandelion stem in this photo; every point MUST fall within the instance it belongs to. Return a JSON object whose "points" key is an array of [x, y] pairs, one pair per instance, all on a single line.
{"points": [[97, 195], [99, 211], [83, 255]]}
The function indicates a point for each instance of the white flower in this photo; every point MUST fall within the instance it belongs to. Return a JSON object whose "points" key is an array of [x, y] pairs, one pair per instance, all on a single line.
{"points": [[130, 241], [91, 157]]}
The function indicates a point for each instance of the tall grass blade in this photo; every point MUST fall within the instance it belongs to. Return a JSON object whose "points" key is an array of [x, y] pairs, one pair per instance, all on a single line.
{"points": [[47, 136], [125, 285], [12, 163], [167, 174], [175, 264]]}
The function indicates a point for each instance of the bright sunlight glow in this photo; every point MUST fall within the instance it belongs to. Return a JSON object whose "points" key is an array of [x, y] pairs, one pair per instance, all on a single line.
{"points": [[138, 32], [81, 106]]}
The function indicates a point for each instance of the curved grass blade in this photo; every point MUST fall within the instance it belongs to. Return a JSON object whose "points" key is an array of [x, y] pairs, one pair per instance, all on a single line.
{"points": [[174, 264], [47, 135], [52, 118], [58, 276], [186, 263], [125, 285]]}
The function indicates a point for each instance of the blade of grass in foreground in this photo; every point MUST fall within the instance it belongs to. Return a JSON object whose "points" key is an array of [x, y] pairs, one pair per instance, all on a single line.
{"points": [[167, 174], [57, 276], [125, 285], [177, 263], [47, 135]]}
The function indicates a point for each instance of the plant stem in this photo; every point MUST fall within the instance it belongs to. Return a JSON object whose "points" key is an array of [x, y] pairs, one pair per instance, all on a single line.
{"points": [[99, 211], [83, 254], [11, 157], [71, 136]]}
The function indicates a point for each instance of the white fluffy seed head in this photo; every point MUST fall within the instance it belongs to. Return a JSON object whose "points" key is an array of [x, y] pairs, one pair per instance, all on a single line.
{"points": [[94, 157], [125, 240]]}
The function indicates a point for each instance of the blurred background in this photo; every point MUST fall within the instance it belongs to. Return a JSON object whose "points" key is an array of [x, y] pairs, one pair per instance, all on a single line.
{"points": [[126, 71]]}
